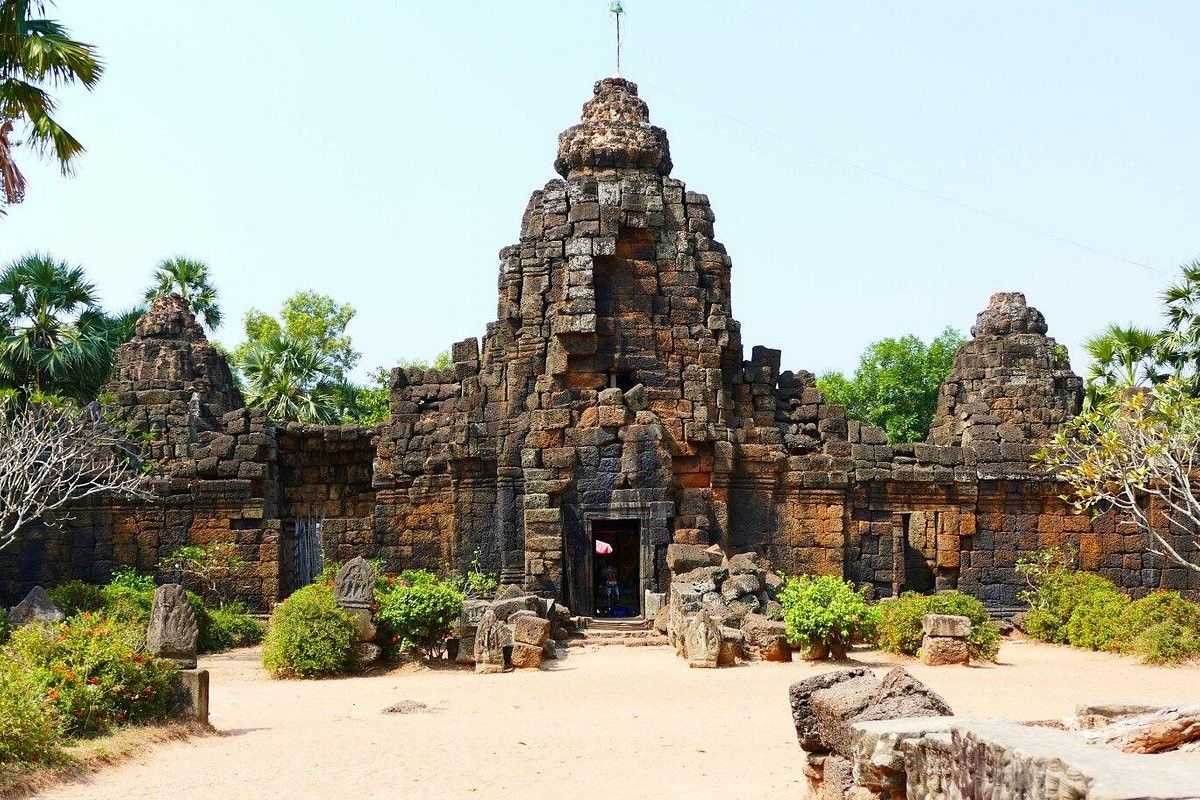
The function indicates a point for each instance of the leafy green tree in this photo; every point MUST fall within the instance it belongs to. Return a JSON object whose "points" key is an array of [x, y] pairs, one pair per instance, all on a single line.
{"points": [[290, 378], [896, 384], [441, 361], [370, 403], [37, 54], [311, 317], [54, 338], [189, 279], [367, 404]]}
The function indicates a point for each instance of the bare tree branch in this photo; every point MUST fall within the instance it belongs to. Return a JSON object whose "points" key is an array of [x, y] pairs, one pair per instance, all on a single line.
{"points": [[54, 457]]}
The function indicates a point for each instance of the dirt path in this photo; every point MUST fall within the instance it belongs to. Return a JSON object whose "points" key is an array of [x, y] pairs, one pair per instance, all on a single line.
{"points": [[606, 722]]}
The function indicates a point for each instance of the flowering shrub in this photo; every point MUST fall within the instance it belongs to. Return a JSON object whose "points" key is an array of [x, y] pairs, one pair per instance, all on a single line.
{"points": [[1162, 628], [309, 636], [419, 609], [92, 673], [1086, 610], [129, 596], [1056, 590], [30, 725]]}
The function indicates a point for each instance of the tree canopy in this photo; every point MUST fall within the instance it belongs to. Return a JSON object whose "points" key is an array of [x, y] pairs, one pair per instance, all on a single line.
{"points": [[54, 337], [1128, 357], [310, 317], [1135, 452], [896, 384], [37, 54]]}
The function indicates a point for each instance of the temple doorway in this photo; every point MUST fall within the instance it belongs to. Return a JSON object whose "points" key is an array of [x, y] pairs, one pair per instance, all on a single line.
{"points": [[616, 568], [919, 531]]}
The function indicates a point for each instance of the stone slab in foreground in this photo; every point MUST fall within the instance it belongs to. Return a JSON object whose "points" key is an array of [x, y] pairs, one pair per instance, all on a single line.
{"points": [[984, 759]]}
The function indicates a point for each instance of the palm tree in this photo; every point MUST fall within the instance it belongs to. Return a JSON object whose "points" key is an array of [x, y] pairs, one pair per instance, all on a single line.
{"points": [[36, 53], [1122, 358], [189, 279], [1180, 346], [51, 340], [291, 379]]}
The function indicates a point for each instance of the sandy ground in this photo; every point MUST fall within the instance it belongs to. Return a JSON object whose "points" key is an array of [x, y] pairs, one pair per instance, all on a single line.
{"points": [[606, 722]]}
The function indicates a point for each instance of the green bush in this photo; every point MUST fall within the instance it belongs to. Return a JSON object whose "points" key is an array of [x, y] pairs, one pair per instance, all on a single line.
{"points": [[419, 609], [91, 671], [309, 636], [823, 610], [1162, 628], [1156, 607], [1095, 622], [899, 626], [1056, 590], [229, 626], [127, 603], [130, 578], [1165, 642], [74, 597], [30, 725], [5, 628]]}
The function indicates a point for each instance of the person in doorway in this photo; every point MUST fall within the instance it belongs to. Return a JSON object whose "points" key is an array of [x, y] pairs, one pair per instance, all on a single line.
{"points": [[610, 592]]}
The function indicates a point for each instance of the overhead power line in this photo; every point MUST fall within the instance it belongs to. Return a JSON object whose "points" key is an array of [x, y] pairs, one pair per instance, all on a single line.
{"points": [[906, 184]]}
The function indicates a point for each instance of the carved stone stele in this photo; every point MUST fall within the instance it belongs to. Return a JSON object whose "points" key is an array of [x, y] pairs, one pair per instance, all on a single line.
{"points": [[173, 632], [354, 586]]}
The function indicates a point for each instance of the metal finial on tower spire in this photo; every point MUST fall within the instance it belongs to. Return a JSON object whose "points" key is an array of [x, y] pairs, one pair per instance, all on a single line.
{"points": [[617, 10]]}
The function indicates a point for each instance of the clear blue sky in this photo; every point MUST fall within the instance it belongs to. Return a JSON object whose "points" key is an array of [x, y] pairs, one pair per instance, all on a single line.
{"points": [[383, 152]]}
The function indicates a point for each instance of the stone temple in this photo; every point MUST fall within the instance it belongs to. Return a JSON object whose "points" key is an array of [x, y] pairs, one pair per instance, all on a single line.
{"points": [[611, 401]]}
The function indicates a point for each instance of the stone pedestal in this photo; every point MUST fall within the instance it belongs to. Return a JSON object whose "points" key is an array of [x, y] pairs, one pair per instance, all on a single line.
{"points": [[945, 640], [191, 695], [354, 591]]}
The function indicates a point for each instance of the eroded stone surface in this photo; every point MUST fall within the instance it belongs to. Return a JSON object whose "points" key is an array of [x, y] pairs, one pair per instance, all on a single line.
{"points": [[354, 586], [36, 607], [173, 632]]}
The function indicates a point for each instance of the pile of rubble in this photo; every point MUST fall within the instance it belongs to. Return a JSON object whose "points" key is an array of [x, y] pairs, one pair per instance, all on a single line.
{"points": [[515, 630], [870, 739], [720, 610]]}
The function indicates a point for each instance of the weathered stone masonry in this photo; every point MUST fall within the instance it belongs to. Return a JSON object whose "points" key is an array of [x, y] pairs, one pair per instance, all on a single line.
{"points": [[612, 386]]}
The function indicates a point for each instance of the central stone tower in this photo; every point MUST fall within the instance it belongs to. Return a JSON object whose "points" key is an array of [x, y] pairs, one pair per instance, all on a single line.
{"points": [[602, 402]]}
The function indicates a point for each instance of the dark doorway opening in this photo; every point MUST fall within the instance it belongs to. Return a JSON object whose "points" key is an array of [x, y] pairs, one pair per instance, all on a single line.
{"points": [[616, 573], [920, 550]]}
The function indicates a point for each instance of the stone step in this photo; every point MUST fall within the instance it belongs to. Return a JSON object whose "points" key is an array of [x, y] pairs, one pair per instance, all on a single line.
{"points": [[617, 624], [605, 633], [648, 639]]}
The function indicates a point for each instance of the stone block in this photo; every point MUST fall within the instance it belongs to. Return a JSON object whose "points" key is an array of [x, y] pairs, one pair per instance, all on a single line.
{"points": [[683, 558], [173, 631], [526, 656], [834, 708], [800, 696], [36, 607], [531, 630], [939, 651], [946, 625]]}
